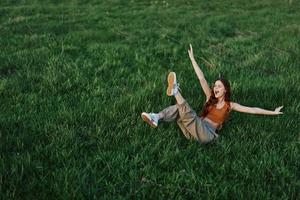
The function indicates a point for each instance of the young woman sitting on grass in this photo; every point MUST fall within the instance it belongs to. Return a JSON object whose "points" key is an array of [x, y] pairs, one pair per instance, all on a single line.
{"points": [[215, 112]]}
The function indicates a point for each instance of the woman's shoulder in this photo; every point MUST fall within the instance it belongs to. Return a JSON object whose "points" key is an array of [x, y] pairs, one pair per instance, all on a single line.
{"points": [[230, 104]]}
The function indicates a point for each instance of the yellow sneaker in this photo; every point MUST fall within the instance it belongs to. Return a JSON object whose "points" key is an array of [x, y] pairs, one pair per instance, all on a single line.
{"points": [[173, 86]]}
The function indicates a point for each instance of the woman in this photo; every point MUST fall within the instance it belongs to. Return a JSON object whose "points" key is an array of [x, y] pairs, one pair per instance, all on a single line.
{"points": [[215, 112]]}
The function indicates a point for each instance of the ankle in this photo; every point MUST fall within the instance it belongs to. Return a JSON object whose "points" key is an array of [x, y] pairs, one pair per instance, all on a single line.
{"points": [[160, 116]]}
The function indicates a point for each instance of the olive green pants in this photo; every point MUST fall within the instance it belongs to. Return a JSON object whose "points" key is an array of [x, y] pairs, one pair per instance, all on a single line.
{"points": [[191, 125]]}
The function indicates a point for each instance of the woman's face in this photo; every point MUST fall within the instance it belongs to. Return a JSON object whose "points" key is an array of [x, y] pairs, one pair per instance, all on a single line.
{"points": [[219, 89]]}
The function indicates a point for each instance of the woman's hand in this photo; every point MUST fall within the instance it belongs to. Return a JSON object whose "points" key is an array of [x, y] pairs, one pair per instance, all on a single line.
{"points": [[191, 53], [277, 110]]}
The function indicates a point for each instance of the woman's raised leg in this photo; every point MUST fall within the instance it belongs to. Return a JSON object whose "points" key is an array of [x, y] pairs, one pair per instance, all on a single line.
{"points": [[187, 116]]}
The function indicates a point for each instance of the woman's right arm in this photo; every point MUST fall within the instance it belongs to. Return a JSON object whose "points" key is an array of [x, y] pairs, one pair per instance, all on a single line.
{"points": [[200, 74]]}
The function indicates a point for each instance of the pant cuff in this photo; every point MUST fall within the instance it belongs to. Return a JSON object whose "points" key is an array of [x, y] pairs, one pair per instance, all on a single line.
{"points": [[182, 104]]}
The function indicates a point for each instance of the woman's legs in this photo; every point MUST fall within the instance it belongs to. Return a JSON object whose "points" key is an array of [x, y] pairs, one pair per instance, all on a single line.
{"points": [[191, 125], [170, 114], [187, 116]]}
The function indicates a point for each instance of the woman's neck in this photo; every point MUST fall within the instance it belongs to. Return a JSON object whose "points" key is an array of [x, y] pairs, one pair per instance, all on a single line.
{"points": [[220, 100]]}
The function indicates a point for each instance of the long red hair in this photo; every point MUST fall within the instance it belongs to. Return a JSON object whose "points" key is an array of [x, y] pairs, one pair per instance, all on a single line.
{"points": [[213, 100]]}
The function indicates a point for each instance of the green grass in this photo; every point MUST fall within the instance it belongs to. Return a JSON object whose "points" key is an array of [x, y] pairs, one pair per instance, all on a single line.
{"points": [[75, 76]]}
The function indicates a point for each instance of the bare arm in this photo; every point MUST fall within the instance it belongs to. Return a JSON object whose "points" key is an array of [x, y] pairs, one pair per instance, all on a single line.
{"points": [[255, 110], [200, 74]]}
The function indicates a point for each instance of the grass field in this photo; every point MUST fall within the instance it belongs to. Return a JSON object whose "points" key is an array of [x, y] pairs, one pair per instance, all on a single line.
{"points": [[75, 76]]}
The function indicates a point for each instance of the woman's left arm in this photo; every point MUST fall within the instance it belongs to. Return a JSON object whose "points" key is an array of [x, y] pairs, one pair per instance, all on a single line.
{"points": [[255, 110]]}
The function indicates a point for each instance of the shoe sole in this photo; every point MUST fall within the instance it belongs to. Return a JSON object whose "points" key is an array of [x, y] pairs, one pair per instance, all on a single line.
{"points": [[171, 80], [146, 119]]}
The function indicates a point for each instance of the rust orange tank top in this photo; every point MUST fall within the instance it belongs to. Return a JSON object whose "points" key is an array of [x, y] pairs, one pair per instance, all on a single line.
{"points": [[218, 115]]}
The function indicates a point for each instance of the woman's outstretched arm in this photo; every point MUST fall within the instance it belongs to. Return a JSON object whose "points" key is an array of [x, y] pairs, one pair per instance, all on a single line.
{"points": [[200, 74], [255, 110]]}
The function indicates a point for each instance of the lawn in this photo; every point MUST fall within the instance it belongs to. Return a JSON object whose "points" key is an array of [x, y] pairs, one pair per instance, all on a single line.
{"points": [[76, 75]]}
